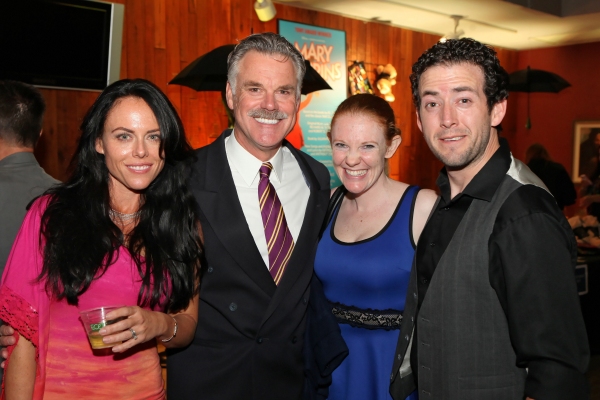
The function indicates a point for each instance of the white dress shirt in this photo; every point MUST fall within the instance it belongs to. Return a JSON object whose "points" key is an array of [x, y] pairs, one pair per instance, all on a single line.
{"points": [[287, 179]]}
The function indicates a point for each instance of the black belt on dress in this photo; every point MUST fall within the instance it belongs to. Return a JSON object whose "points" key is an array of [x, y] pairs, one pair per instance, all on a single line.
{"points": [[366, 318]]}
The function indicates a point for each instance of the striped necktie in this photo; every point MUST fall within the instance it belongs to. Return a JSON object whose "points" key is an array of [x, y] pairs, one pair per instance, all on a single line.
{"points": [[279, 239]]}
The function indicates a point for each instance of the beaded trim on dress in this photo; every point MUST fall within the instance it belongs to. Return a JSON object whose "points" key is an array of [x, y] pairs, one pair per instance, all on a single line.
{"points": [[19, 314], [367, 318]]}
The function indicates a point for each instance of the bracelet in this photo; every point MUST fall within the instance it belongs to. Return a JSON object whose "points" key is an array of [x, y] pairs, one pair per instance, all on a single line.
{"points": [[174, 332]]}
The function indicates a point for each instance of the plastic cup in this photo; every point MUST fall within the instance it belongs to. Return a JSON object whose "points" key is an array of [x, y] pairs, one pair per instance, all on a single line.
{"points": [[94, 320]]}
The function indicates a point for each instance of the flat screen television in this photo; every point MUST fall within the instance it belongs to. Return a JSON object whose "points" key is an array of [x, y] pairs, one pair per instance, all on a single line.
{"points": [[65, 44]]}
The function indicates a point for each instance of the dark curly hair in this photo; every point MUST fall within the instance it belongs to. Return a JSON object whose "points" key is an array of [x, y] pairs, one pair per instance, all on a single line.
{"points": [[463, 51]]}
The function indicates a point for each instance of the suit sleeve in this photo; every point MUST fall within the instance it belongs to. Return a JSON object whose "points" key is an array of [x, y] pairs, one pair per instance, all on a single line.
{"points": [[532, 259]]}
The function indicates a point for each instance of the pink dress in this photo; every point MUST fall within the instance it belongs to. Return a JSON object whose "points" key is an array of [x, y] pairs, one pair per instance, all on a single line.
{"points": [[67, 368]]}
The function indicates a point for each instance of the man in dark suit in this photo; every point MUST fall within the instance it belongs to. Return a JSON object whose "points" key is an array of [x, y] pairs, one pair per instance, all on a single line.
{"points": [[250, 335]]}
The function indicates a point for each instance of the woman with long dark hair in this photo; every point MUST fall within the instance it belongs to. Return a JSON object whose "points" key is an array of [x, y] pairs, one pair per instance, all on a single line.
{"points": [[121, 231]]}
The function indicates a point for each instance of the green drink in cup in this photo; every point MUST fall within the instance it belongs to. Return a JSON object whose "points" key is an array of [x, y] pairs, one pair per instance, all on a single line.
{"points": [[94, 320]]}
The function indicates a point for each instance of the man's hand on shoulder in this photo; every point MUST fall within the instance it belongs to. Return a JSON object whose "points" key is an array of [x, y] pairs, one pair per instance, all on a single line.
{"points": [[6, 339]]}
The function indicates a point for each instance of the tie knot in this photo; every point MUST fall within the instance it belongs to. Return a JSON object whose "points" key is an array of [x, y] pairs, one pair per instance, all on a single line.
{"points": [[265, 169]]}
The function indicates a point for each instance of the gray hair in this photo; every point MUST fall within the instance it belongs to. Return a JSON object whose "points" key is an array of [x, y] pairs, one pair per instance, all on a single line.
{"points": [[265, 43]]}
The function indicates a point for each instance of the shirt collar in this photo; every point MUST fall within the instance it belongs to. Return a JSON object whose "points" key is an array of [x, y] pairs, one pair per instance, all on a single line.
{"points": [[484, 184], [247, 165], [21, 157]]}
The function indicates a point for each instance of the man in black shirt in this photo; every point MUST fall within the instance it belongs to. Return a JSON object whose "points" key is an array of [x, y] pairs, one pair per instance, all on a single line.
{"points": [[492, 310]]}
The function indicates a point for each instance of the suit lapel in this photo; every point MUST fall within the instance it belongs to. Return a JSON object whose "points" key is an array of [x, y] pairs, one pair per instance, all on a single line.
{"points": [[219, 200]]}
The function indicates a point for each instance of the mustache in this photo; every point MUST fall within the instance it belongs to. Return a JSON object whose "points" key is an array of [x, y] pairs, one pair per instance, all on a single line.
{"points": [[267, 114]]}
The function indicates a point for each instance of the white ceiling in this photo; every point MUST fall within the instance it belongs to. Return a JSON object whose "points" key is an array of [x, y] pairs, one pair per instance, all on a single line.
{"points": [[495, 22]]}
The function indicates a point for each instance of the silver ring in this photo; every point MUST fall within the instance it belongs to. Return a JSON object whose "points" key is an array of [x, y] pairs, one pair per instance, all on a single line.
{"points": [[133, 334]]}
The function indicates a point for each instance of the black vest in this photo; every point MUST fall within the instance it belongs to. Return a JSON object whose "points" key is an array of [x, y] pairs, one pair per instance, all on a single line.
{"points": [[464, 348]]}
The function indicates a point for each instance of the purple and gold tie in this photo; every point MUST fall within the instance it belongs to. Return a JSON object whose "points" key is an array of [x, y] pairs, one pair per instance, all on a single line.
{"points": [[280, 242]]}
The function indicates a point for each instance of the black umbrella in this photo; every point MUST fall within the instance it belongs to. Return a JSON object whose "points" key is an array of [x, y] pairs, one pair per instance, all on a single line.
{"points": [[206, 73], [535, 80], [313, 81], [209, 73]]}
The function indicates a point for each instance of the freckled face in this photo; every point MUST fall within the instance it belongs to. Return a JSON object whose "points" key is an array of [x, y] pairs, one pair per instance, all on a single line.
{"points": [[454, 116], [130, 143], [359, 151], [265, 102]]}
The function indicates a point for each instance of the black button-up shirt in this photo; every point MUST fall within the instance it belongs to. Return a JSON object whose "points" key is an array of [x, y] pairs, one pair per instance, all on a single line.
{"points": [[532, 253]]}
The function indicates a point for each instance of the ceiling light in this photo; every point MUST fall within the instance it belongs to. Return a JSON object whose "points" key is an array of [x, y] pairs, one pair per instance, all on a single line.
{"points": [[265, 10], [457, 32]]}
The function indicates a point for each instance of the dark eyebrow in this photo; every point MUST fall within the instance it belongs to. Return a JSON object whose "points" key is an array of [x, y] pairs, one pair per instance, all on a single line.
{"points": [[464, 89], [122, 129], [130, 131], [457, 90], [429, 93]]}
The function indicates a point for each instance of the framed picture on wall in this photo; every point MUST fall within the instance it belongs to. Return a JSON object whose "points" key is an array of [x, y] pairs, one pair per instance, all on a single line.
{"points": [[586, 143]]}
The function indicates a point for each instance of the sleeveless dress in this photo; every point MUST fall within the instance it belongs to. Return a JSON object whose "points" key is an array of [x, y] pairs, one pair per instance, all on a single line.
{"points": [[368, 275]]}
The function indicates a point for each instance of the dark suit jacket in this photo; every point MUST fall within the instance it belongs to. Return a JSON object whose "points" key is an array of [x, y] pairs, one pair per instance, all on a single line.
{"points": [[250, 334], [324, 346]]}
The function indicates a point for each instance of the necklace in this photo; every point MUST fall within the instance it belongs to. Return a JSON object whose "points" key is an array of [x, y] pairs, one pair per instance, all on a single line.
{"points": [[114, 214]]}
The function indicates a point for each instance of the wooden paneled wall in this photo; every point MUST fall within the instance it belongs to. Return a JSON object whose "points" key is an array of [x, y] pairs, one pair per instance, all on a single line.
{"points": [[161, 37]]}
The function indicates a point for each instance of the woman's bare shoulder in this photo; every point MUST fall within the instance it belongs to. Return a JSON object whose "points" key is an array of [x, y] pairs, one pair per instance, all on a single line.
{"points": [[425, 201]]}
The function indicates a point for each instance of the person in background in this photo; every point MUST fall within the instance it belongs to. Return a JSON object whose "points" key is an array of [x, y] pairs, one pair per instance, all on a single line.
{"points": [[365, 255], [21, 177], [122, 230], [553, 174], [492, 298]]}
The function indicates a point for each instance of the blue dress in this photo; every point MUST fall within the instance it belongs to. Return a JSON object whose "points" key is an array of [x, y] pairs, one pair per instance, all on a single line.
{"points": [[370, 274]]}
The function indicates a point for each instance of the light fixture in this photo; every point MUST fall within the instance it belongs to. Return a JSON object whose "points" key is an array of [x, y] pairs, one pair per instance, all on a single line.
{"points": [[265, 9], [457, 32]]}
